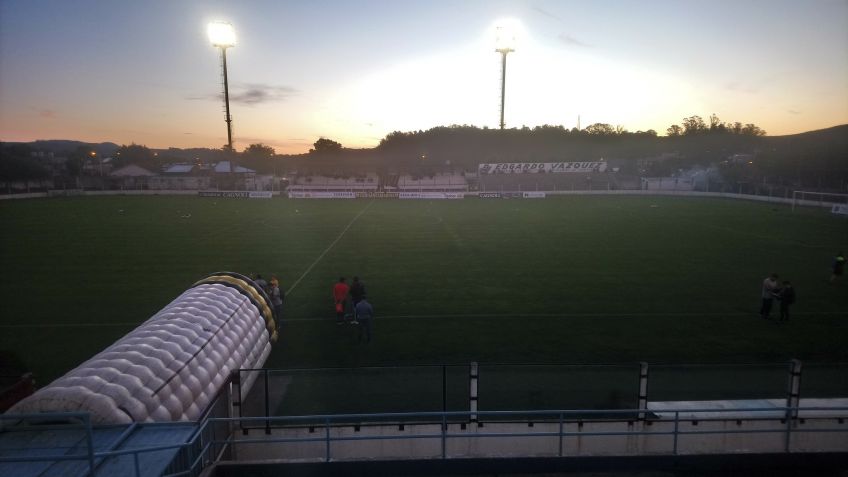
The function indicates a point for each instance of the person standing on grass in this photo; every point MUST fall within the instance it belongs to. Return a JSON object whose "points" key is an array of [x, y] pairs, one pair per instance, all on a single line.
{"points": [[277, 296], [838, 267], [357, 293], [787, 298], [365, 315], [770, 286], [340, 291]]}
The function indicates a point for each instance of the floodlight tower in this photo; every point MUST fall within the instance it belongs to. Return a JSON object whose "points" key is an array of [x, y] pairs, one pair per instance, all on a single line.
{"points": [[223, 36], [504, 44]]}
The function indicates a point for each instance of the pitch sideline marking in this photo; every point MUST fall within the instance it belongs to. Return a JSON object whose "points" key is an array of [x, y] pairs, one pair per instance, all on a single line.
{"points": [[333, 244], [473, 315]]}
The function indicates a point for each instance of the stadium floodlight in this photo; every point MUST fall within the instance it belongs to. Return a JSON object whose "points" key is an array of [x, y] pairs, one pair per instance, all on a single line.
{"points": [[223, 36], [504, 44]]}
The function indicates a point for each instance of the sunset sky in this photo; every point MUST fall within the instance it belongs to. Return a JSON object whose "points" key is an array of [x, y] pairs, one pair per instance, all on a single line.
{"points": [[353, 71]]}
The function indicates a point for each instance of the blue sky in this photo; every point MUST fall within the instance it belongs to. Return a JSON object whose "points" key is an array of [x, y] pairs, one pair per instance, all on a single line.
{"points": [[144, 72]]}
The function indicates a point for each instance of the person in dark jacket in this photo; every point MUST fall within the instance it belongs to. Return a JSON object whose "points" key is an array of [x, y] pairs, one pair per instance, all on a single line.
{"points": [[357, 293], [786, 295], [365, 314]]}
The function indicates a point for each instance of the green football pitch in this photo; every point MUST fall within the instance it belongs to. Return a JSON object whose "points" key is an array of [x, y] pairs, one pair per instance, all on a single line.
{"points": [[583, 279]]}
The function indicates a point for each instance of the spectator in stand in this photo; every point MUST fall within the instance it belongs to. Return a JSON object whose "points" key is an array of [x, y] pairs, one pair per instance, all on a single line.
{"points": [[277, 296], [365, 315], [261, 282], [770, 286], [357, 293], [340, 291], [786, 297], [838, 267]]}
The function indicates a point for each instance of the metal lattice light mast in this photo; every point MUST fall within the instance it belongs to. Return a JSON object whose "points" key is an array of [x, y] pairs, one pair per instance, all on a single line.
{"points": [[223, 36], [505, 42]]}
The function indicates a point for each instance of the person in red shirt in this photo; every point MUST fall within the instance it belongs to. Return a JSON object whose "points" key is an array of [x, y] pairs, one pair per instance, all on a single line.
{"points": [[340, 292]]}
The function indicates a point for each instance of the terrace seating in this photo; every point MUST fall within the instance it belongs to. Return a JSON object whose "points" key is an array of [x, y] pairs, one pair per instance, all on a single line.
{"points": [[435, 183], [546, 182], [367, 182]]}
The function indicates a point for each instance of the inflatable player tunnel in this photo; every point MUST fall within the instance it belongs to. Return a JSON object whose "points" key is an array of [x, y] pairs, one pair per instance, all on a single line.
{"points": [[173, 365]]}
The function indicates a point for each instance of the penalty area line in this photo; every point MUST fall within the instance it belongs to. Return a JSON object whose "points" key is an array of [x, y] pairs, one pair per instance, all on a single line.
{"points": [[330, 247]]}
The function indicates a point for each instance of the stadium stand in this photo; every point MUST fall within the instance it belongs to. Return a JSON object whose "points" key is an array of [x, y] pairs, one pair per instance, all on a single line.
{"points": [[367, 182], [668, 183], [547, 182], [446, 182]]}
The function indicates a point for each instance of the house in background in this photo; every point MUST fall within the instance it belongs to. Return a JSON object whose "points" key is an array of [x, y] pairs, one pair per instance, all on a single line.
{"points": [[180, 177], [131, 176]]}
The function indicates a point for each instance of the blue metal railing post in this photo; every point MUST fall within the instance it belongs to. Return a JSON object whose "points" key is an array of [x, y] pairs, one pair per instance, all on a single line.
{"points": [[676, 424], [89, 440], [444, 431], [327, 436], [560, 434], [267, 404], [137, 467], [788, 429], [444, 389]]}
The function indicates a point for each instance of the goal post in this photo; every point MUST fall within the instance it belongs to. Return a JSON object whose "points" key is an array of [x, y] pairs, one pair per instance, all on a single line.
{"points": [[838, 203]]}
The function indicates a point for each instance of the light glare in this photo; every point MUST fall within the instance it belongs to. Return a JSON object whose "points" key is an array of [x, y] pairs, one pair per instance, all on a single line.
{"points": [[505, 35], [221, 34]]}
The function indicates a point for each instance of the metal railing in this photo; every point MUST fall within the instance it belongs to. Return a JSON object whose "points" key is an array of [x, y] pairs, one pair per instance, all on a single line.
{"points": [[199, 450], [469, 387], [783, 425]]}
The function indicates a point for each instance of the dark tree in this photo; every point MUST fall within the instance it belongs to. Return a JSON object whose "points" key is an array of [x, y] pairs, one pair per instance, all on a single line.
{"points": [[76, 159], [694, 125], [674, 130], [325, 145], [600, 129], [16, 164], [134, 153], [259, 150]]}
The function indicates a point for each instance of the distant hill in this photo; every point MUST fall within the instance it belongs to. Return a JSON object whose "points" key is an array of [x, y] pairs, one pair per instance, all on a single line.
{"points": [[814, 157], [813, 142], [59, 146]]}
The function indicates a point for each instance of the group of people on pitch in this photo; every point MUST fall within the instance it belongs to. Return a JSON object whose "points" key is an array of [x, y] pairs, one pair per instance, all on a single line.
{"points": [[774, 290], [785, 293], [353, 307], [275, 293]]}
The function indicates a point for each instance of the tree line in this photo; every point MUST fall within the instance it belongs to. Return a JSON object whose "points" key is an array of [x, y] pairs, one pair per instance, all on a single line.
{"points": [[817, 157]]}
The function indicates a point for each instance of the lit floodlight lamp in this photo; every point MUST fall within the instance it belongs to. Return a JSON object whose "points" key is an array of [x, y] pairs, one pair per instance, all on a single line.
{"points": [[221, 34], [504, 39]]}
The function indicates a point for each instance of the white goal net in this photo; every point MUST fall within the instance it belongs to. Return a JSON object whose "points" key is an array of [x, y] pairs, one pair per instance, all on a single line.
{"points": [[837, 203]]}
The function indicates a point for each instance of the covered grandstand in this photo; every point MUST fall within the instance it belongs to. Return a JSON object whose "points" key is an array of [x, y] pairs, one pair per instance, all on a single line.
{"points": [[441, 182], [321, 183]]}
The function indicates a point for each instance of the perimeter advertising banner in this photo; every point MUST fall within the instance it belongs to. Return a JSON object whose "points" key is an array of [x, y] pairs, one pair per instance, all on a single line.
{"points": [[238, 194], [540, 167], [372, 194], [321, 195], [431, 195]]}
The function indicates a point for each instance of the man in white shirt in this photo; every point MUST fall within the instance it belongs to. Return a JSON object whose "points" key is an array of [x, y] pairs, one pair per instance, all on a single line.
{"points": [[770, 288]]}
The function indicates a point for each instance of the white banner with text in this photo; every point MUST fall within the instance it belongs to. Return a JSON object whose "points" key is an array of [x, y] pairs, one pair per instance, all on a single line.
{"points": [[540, 167], [431, 195], [321, 195]]}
